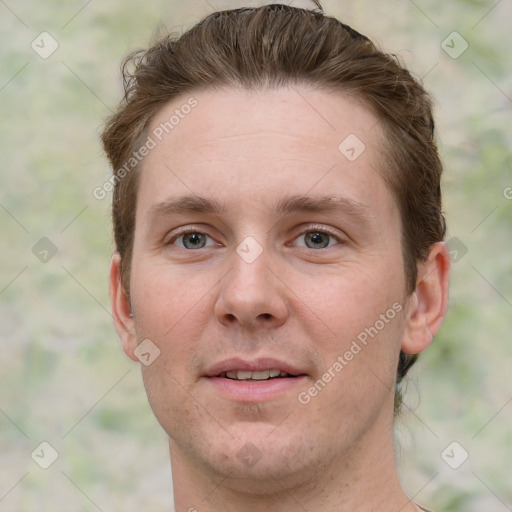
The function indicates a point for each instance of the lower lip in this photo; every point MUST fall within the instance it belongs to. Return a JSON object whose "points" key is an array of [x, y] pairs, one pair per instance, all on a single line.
{"points": [[256, 391]]}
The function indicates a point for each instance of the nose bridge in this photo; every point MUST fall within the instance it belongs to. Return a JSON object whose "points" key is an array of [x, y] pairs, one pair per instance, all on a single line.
{"points": [[250, 293], [250, 267]]}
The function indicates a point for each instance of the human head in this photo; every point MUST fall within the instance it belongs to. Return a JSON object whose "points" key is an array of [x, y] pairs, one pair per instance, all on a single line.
{"points": [[244, 166], [256, 49]]}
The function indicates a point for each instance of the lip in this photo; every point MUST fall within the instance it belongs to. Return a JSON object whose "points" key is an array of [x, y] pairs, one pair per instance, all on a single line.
{"points": [[252, 390], [256, 391], [260, 364]]}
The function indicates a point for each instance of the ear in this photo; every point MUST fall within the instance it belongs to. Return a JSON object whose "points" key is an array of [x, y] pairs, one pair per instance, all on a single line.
{"points": [[121, 309], [428, 303]]}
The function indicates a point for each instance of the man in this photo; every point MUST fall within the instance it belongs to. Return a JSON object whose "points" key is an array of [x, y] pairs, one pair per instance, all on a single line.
{"points": [[279, 259]]}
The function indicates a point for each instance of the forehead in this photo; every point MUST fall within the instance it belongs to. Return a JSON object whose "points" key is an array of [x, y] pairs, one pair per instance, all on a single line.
{"points": [[261, 143], [291, 116]]}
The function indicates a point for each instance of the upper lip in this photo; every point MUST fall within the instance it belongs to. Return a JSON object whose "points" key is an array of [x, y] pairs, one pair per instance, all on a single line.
{"points": [[254, 365]]}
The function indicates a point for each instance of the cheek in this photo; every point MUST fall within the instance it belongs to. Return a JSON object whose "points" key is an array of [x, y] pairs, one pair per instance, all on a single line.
{"points": [[353, 299], [167, 393], [167, 302], [363, 314], [171, 311]]}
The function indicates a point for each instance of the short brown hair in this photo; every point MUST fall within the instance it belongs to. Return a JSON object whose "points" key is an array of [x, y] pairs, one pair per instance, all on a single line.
{"points": [[272, 46]]}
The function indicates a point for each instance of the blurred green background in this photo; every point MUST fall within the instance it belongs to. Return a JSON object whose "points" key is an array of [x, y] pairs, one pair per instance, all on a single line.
{"points": [[63, 376]]}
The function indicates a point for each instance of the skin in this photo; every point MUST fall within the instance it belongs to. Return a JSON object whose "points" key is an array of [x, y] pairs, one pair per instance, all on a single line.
{"points": [[298, 302]]}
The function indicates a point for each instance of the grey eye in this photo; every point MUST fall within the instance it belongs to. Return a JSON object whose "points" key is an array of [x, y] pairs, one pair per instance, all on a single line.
{"points": [[193, 240], [317, 239]]}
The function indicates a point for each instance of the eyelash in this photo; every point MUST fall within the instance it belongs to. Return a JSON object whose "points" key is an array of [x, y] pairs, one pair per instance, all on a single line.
{"points": [[310, 229]]}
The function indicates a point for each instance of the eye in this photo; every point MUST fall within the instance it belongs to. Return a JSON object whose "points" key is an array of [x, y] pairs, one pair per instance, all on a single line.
{"points": [[191, 240], [314, 238], [318, 238]]}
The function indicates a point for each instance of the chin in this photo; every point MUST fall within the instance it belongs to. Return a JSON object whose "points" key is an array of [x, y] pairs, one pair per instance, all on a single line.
{"points": [[269, 475], [258, 458]]}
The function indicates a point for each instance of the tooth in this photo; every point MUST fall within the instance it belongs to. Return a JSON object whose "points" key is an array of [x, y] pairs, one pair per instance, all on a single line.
{"points": [[283, 374], [274, 373], [243, 375], [260, 375], [231, 375]]}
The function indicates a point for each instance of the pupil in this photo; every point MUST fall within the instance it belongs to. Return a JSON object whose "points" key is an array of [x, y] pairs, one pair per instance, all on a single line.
{"points": [[316, 239], [193, 240]]}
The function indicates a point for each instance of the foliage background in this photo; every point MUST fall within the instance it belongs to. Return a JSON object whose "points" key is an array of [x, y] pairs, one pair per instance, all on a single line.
{"points": [[63, 377]]}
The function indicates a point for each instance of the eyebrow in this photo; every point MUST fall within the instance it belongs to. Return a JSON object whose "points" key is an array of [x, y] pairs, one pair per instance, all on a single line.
{"points": [[187, 204], [286, 205], [292, 204]]}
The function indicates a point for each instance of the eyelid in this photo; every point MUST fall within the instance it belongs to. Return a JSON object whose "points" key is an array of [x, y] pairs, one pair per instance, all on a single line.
{"points": [[303, 229], [185, 230], [323, 229]]}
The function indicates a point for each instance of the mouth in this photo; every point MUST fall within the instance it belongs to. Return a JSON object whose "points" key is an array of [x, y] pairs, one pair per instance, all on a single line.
{"points": [[259, 380], [261, 369], [256, 376]]}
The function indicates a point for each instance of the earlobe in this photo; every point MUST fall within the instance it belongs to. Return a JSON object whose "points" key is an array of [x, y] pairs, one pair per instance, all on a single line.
{"points": [[122, 309], [428, 303]]}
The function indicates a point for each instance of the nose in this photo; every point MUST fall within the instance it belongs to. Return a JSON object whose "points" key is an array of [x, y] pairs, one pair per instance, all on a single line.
{"points": [[251, 295]]}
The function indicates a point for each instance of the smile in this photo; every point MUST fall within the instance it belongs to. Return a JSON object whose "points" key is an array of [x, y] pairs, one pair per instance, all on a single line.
{"points": [[259, 375]]}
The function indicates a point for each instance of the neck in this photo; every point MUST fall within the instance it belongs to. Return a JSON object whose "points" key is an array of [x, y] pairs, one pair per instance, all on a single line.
{"points": [[363, 480]]}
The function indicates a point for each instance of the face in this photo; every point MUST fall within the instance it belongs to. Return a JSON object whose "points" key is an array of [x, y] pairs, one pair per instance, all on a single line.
{"points": [[267, 270]]}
